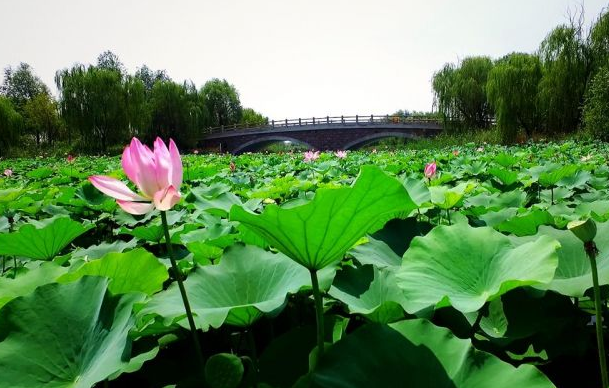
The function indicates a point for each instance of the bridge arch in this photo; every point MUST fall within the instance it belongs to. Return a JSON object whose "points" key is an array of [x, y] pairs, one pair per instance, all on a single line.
{"points": [[262, 141], [362, 141]]}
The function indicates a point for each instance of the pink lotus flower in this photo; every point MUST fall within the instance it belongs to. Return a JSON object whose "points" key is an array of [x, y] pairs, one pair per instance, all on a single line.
{"points": [[8, 172], [310, 156], [196, 152], [456, 152], [232, 166], [341, 154], [157, 175], [430, 170], [70, 159]]}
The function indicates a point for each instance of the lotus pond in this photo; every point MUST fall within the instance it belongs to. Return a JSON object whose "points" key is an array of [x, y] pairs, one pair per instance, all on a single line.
{"points": [[364, 269]]}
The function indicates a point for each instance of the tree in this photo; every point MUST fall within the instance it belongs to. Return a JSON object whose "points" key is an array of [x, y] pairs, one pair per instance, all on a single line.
{"points": [[42, 118], [11, 124], [177, 112], [222, 101], [149, 76], [110, 61], [512, 89], [566, 68], [460, 93], [596, 108], [21, 85], [94, 102], [253, 118]]}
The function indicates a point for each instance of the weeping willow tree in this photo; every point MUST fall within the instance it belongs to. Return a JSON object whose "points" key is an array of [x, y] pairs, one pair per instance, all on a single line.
{"points": [[512, 89], [253, 118], [11, 125], [566, 68], [222, 101], [596, 109], [178, 111], [96, 103], [460, 93], [599, 41]]}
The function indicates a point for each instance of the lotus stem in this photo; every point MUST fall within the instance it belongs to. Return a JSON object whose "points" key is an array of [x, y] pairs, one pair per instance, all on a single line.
{"points": [[319, 313], [592, 251], [178, 276]]}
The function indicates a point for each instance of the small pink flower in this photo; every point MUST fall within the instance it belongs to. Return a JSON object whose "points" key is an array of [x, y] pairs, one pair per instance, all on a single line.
{"points": [[310, 156], [70, 159], [430, 170], [232, 166], [157, 175], [8, 172], [196, 152], [456, 152], [341, 154]]}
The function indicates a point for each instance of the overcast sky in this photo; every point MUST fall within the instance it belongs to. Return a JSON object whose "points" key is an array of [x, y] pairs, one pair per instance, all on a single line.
{"points": [[287, 58]]}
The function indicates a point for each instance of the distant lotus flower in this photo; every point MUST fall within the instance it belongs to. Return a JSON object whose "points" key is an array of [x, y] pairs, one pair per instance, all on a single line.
{"points": [[456, 152], [157, 175], [310, 156], [341, 154], [70, 159], [374, 150], [232, 166], [480, 149], [8, 172], [430, 170], [196, 152]]}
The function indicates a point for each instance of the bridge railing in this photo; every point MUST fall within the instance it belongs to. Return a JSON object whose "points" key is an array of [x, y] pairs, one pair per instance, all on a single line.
{"points": [[325, 120]]}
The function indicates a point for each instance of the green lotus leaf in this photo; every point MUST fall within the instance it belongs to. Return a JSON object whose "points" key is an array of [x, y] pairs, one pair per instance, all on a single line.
{"points": [[134, 271], [415, 353], [465, 267], [66, 335], [376, 252], [42, 243], [526, 224], [319, 233], [369, 291], [554, 175], [573, 274], [24, 284], [247, 283], [506, 177]]}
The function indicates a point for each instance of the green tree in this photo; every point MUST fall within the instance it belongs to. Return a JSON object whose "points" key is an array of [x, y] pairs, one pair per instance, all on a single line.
{"points": [[110, 61], [222, 101], [11, 124], [149, 76], [566, 68], [253, 118], [94, 103], [596, 108], [460, 93], [21, 85], [177, 112], [42, 118], [512, 89], [599, 41]]}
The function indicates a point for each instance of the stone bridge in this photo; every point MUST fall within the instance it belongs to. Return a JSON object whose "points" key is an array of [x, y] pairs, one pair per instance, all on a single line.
{"points": [[326, 133]]}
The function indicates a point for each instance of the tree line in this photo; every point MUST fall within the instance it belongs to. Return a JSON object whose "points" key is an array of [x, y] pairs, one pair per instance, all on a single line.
{"points": [[100, 107], [561, 88]]}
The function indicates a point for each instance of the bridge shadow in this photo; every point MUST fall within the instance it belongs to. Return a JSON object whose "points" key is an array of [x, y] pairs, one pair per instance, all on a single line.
{"points": [[258, 144]]}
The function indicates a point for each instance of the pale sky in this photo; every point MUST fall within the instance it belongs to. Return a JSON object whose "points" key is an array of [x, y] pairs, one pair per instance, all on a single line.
{"points": [[287, 58]]}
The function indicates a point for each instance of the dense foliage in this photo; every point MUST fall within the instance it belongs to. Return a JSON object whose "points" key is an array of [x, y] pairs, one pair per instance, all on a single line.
{"points": [[542, 92], [101, 106], [456, 273]]}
